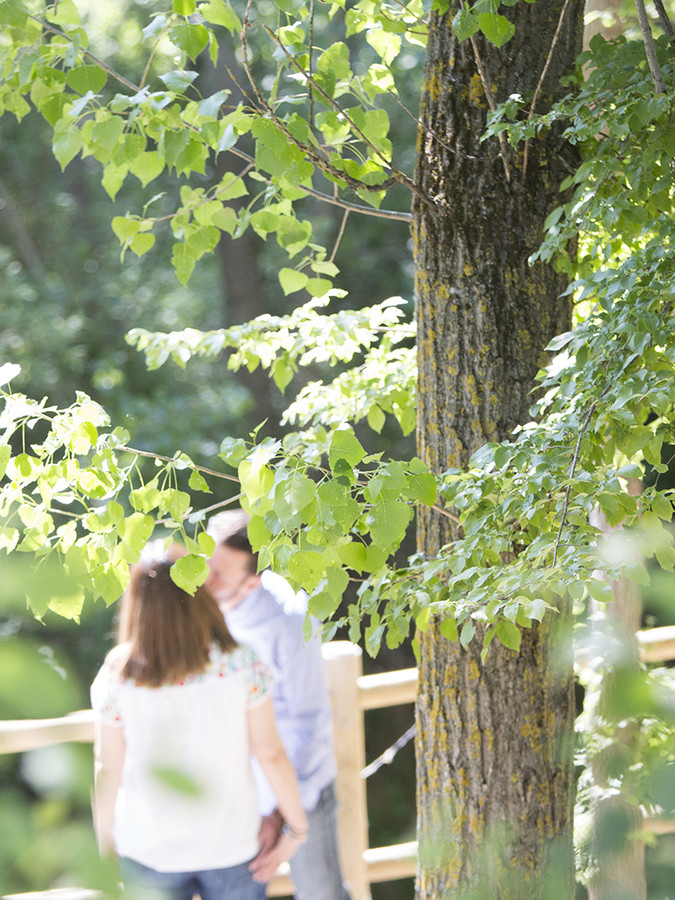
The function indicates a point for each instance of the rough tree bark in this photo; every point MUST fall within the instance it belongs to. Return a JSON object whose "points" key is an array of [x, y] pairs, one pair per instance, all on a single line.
{"points": [[494, 769]]}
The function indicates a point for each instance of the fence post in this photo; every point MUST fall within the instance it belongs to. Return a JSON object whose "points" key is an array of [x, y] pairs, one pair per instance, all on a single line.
{"points": [[344, 668]]}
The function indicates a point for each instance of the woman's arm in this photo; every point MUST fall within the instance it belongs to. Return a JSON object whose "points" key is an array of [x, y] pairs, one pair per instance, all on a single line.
{"points": [[267, 748], [109, 749]]}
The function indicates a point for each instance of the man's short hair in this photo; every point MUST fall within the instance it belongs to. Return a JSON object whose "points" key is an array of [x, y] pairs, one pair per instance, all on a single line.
{"points": [[230, 528]]}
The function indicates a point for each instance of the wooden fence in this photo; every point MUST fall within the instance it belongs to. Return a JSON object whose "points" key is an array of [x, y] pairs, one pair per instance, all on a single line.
{"points": [[352, 693]]}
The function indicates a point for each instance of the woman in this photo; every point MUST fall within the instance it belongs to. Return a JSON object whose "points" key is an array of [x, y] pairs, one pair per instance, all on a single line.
{"points": [[180, 709]]}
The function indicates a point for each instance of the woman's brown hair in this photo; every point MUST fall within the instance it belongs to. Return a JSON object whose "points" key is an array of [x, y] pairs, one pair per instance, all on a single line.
{"points": [[166, 633]]}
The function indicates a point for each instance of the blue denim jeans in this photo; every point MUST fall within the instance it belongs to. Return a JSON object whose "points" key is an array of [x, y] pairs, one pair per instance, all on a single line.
{"points": [[315, 867], [234, 883]]}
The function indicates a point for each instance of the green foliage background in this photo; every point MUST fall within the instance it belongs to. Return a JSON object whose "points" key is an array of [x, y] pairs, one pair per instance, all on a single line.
{"points": [[328, 503]]}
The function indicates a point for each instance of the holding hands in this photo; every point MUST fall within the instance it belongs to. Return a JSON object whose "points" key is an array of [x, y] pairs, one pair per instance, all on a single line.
{"points": [[278, 842]]}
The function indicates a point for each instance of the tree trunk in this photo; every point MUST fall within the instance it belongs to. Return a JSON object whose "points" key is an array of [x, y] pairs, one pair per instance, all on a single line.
{"points": [[494, 770]]}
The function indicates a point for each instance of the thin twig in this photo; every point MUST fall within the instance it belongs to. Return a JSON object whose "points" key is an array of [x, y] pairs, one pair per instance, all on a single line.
{"points": [[246, 157], [490, 100], [541, 82], [575, 460], [397, 176], [87, 53], [334, 199], [650, 47], [310, 80], [444, 512], [170, 459], [165, 31], [343, 224], [309, 151], [208, 509]]}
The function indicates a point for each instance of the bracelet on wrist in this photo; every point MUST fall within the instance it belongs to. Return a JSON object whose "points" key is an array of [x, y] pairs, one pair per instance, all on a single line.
{"points": [[292, 833]]}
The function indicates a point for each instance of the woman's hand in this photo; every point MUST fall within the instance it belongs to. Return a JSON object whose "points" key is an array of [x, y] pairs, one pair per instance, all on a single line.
{"points": [[268, 860]]}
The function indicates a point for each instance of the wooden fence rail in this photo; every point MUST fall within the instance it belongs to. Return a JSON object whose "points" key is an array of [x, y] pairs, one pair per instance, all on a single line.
{"points": [[352, 693]]}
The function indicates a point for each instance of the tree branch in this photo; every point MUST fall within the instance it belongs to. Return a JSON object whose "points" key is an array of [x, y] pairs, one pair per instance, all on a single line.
{"points": [[663, 17], [397, 176], [338, 239], [541, 81], [95, 59], [650, 47], [170, 459]]}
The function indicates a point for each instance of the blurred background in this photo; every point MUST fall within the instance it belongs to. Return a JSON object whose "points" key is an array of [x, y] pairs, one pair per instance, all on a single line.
{"points": [[66, 302]]}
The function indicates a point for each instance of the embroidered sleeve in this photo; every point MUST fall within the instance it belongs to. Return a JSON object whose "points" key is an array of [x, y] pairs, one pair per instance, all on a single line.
{"points": [[258, 680], [105, 696]]}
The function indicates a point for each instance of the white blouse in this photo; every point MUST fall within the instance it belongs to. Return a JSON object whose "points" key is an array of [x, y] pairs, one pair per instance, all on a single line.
{"points": [[187, 800]]}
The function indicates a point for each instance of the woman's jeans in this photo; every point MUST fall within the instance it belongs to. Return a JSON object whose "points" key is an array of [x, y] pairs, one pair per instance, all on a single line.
{"points": [[234, 883]]}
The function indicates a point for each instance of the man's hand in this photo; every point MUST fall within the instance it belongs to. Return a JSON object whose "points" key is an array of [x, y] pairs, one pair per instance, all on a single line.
{"points": [[270, 829], [276, 846], [266, 863]]}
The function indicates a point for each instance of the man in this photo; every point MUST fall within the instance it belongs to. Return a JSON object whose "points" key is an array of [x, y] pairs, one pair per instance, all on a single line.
{"points": [[263, 611]]}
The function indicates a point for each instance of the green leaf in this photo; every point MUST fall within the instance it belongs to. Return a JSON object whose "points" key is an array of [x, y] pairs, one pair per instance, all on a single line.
{"points": [[135, 532], [146, 166], [86, 78], [291, 280], [189, 572], [146, 498], [67, 141], [325, 601], [7, 372], [197, 482], [307, 567], [509, 634], [184, 7], [345, 445], [376, 418], [13, 12], [9, 538], [600, 590], [108, 132], [183, 259], [179, 80], [206, 544], [385, 44], [448, 628], [5, 455], [232, 451], [318, 287], [256, 482], [218, 12], [176, 503], [354, 555], [141, 243], [421, 483], [172, 779], [210, 106], [191, 39], [291, 497], [464, 25], [467, 633], [423, 619], [498, 30], [113, 179], [389, 520], [125, 228]]}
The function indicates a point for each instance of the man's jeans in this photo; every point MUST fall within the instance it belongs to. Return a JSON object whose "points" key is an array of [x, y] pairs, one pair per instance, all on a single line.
{"points": [[234, 883], [315, 867]]}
